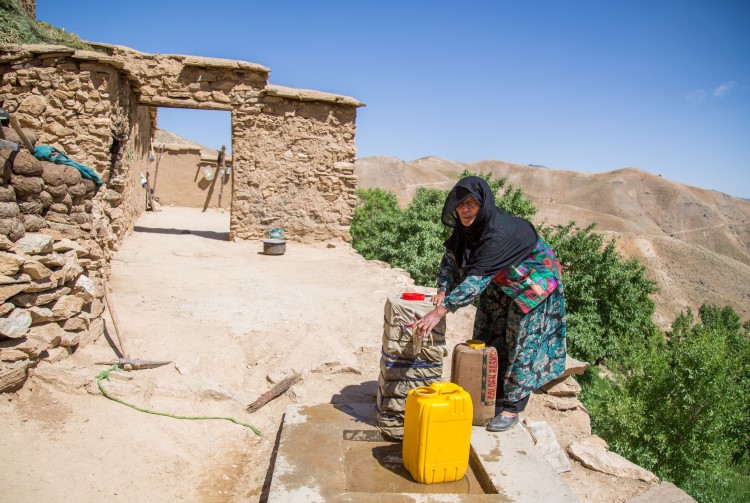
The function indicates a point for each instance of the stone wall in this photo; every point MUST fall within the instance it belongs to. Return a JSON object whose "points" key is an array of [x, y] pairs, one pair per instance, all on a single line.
{"points": [[293, 149], [83, 103], [292, 166], [293, 157], [51, 266]]}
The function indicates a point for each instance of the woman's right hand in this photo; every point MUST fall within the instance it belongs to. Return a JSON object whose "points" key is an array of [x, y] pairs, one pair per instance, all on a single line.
{"points": [[438, 298]]}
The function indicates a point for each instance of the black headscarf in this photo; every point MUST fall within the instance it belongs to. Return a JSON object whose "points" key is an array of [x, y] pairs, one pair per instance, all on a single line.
{"points": [[494, 240]]}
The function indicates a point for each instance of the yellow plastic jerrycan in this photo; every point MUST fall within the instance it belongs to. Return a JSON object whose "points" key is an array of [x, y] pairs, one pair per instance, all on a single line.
{"points": [[437, 433]]}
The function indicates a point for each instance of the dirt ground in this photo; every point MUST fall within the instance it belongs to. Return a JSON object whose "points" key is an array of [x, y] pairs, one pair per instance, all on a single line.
{"points": [[229, 318]]}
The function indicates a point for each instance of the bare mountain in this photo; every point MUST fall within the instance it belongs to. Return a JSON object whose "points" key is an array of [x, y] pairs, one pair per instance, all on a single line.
{"points": [[694, 242]]}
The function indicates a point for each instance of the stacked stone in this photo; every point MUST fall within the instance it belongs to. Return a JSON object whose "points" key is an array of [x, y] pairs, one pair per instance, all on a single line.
{"points": [[404, 366], [51, 284], [83, 103]]}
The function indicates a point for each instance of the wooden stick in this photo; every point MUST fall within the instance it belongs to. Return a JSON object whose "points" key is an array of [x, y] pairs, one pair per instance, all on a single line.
{"points": [[21, 134], [220, 171], [277, 390], [115, 322]]}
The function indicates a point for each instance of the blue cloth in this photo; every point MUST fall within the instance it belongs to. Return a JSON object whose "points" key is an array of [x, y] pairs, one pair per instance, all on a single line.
{"points": [[51, 154]]}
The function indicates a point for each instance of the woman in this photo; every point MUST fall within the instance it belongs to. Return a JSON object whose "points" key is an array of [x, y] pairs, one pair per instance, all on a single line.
{"points": [[501, 262]]}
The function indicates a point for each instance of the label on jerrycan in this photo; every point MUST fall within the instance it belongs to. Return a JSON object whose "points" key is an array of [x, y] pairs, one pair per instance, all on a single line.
{"points": [[437, 433]]}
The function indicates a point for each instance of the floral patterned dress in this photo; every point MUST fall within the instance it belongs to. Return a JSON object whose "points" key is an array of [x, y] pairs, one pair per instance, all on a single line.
{"points": [[530, 345]]}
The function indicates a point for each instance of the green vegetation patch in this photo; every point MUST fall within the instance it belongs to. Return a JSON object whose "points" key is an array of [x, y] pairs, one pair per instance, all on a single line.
{"points": [[17, 27]]}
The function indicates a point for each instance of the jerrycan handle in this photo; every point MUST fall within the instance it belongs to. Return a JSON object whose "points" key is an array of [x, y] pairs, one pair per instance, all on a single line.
{"points": [[424, 391], [446, 388]]}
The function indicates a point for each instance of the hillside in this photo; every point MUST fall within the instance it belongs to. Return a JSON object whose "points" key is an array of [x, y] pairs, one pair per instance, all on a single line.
{"points": [[694, 242]]}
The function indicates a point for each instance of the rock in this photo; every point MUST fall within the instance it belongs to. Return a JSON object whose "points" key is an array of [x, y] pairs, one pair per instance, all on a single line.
{"points": [[84, 288], [12, 355], [35, 244], [69, 339], [7, 307], [546, 442], [568, 387], [561, 403], [593, 456], [27, 165], [39, 299], [33, 105], [52, 260], [40, 314], [16, 324], [8, 291], [49, 333], [62, 377], [96, 330], [36, 270], [76, 324], [14, 279], [41, 285], [10, 263], [70, 271], [54, 355], [27, 185], [573, 366], [65, 245], [5, 243], [30, 346], [665, 492], [66, 307], [13, 375]]}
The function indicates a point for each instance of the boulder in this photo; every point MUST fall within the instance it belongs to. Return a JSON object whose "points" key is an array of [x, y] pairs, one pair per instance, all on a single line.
{"points": [[595, 457]]}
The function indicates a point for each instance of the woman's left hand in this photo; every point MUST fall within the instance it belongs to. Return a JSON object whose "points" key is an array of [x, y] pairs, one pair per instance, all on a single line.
{"points": [[424, 326]]}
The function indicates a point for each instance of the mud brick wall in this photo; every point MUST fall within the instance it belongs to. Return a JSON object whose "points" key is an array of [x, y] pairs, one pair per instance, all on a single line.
{"points": [[51, 266]]}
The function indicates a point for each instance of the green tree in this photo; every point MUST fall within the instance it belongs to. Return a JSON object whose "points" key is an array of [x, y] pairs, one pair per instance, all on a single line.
{"points": [[606, 296], [681, 409], [412, 238]]}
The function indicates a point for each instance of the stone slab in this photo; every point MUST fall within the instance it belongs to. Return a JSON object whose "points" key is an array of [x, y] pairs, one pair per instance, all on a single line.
{"points": [[314, 456]]}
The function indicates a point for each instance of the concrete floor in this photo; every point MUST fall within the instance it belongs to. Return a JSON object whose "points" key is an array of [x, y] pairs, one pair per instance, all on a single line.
{"points": [[334, 452]]}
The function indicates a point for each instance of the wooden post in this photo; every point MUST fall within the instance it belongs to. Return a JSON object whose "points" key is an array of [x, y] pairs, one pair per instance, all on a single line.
{"points": [[159, 152], [220, 171]]}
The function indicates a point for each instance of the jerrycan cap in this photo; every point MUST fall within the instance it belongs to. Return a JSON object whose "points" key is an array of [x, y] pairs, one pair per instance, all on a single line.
{"points": [[412, 296], [475, 344]]}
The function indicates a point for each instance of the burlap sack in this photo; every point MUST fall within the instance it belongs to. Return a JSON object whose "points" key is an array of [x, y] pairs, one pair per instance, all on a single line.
{"points": [[401, 367]]}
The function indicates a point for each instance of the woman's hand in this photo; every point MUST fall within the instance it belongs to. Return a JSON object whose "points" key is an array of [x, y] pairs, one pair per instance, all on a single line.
{"points": [[438, 298], [424, 326]]}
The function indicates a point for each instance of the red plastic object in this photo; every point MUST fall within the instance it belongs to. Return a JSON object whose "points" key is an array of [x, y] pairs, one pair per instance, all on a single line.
{"points": [[412, 296]]}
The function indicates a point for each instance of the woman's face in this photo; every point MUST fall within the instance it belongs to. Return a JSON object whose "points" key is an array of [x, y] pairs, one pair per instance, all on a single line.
{"points": [[468, 210]]}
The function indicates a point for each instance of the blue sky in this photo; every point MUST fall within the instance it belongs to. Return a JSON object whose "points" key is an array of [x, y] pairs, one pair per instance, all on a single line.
{"points": [[593, 86]]}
